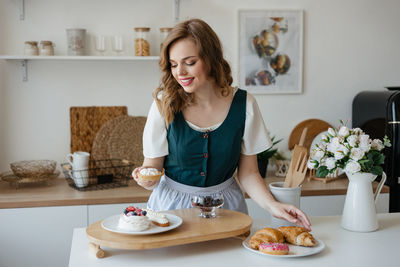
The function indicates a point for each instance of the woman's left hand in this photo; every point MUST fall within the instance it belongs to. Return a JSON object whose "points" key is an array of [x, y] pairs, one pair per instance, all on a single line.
{"points": [[290, 213]]}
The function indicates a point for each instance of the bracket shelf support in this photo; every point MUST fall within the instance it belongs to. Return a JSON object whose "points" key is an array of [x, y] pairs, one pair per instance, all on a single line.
{"points": [[176, 10], [24, 70], [22, 10]]}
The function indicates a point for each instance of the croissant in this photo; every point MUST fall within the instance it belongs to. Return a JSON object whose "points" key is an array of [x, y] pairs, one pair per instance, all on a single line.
{"points": [[297, 236], [266, 235]]}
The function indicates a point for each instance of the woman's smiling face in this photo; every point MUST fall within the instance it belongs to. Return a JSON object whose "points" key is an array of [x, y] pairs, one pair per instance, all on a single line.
{"points": [[186, 66]]}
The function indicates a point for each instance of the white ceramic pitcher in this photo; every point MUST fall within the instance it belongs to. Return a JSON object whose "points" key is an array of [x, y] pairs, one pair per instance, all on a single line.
{"points": [[359, 213]]}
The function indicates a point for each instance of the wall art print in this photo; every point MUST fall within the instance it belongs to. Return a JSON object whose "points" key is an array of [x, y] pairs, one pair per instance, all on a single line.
{"points": [[271, 51]]}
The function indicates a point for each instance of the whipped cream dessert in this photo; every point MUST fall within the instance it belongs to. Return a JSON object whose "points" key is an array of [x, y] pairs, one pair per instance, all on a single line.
{"points": [[157, 218], [134, 219], [149, 171]]}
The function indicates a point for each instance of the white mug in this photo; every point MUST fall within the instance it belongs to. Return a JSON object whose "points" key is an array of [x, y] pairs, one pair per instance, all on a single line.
{"points": [[81, 178], [80, 164], [79, 160], [288, 195]]}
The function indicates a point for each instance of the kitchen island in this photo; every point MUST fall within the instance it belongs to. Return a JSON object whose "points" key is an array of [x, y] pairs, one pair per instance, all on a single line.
{"points": [[343, 248]]}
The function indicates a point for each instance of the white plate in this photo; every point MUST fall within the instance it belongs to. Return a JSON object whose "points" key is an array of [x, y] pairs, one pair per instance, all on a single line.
{"points": [[111, 224], [294, 251]]}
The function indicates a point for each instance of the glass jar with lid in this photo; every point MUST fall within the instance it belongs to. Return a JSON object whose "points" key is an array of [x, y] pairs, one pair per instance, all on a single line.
{"points": [[31, 48], [46, 48], [142, 45], [163, 34]]}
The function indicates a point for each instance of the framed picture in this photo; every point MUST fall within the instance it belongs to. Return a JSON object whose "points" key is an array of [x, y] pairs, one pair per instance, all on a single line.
{"points": [[271, 51]]}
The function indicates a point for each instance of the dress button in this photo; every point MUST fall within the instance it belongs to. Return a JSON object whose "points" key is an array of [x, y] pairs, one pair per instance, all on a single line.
{"points": [[205, 135], [205, 155], [203, 174]]}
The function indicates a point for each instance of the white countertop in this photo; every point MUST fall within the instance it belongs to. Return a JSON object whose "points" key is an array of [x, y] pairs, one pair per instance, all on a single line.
{"points": [[343, 248]]}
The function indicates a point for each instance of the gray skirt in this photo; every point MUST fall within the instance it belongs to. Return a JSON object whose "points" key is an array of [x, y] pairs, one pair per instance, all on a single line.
{"points": [[171, 195]]}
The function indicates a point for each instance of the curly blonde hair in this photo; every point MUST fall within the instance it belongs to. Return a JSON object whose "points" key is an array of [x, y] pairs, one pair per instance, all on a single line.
{"points": [[174, 99]]}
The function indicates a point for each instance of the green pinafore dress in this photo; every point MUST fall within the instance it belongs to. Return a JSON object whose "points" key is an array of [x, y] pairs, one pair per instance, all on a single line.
{"points": [[202, 163]]}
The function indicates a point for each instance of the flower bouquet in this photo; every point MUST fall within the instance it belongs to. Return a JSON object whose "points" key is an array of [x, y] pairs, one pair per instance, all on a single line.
{"points": [[351, 150]]}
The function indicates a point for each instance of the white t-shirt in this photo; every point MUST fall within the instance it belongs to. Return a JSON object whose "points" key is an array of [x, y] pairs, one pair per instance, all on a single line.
{"points": [[255, 137]]}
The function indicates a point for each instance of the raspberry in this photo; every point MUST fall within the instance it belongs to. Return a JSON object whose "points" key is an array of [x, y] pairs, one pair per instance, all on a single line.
{"points": [[130, 208]]}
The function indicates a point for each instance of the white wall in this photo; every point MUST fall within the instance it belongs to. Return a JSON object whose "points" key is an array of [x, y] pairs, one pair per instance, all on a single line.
{"points": [[2, 88], [349, 46]]}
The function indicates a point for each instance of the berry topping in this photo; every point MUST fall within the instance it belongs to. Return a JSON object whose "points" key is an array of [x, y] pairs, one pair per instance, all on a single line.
{"points": [[130, 208], [144, 212]]}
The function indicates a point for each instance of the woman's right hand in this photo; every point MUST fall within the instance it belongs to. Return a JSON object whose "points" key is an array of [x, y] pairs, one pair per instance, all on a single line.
{"points": [[149, 185]]}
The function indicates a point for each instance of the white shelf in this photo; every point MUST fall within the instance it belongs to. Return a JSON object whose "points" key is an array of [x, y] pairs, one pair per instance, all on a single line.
{"points": [[22, 57], [24, 60]]}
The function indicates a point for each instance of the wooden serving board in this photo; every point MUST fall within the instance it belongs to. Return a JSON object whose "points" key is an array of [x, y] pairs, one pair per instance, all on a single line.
{"points": [[194, 229]]}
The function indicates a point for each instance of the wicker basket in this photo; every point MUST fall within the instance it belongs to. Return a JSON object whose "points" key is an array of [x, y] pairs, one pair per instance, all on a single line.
{"points": [[33, 168], [102, 174]]}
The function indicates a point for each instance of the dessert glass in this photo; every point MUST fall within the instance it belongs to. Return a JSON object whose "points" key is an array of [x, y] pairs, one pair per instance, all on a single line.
{"points": [[208, 204]]}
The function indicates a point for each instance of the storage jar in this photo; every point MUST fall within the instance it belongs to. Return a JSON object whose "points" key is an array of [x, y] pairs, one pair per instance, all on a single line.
{"points": [[163, 34], [46, 48], [31, 48], [142, 45]]}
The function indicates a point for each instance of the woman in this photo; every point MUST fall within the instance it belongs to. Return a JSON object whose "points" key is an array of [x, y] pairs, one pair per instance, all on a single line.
{"points": [[200, 129]]}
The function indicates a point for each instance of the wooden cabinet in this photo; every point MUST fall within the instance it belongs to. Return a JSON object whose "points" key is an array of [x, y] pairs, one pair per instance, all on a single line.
{"points": [[38, 236]]}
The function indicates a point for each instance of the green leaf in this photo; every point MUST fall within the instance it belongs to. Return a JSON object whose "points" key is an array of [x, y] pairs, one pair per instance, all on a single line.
{"points": [[366, 164], [379, 159], [322, 171], [377, 170], [386, 141]]}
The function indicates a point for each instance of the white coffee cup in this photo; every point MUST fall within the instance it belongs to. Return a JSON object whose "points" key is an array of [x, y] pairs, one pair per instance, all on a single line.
{"points": [[288, 195], [79, 161]]}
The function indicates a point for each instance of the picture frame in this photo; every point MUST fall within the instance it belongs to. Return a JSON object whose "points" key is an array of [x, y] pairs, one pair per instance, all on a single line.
{"points": [[271, 51]]}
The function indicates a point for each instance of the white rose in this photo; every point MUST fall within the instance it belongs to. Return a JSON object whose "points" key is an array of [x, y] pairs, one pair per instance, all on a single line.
{"points": [[318, 155], [330, 163], [343, 131], [356, 154], [352, 166], [331, 132], [357, 131], [377, 144], [352, 140], [365, 147], [365, 143], [311, 164], [341, 152], [364, 138], [333, 145]]}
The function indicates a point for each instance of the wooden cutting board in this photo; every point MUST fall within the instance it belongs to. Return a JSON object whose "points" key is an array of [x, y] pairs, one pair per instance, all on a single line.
{"points": [[314, 126], [194, 229], [86, 121]]}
